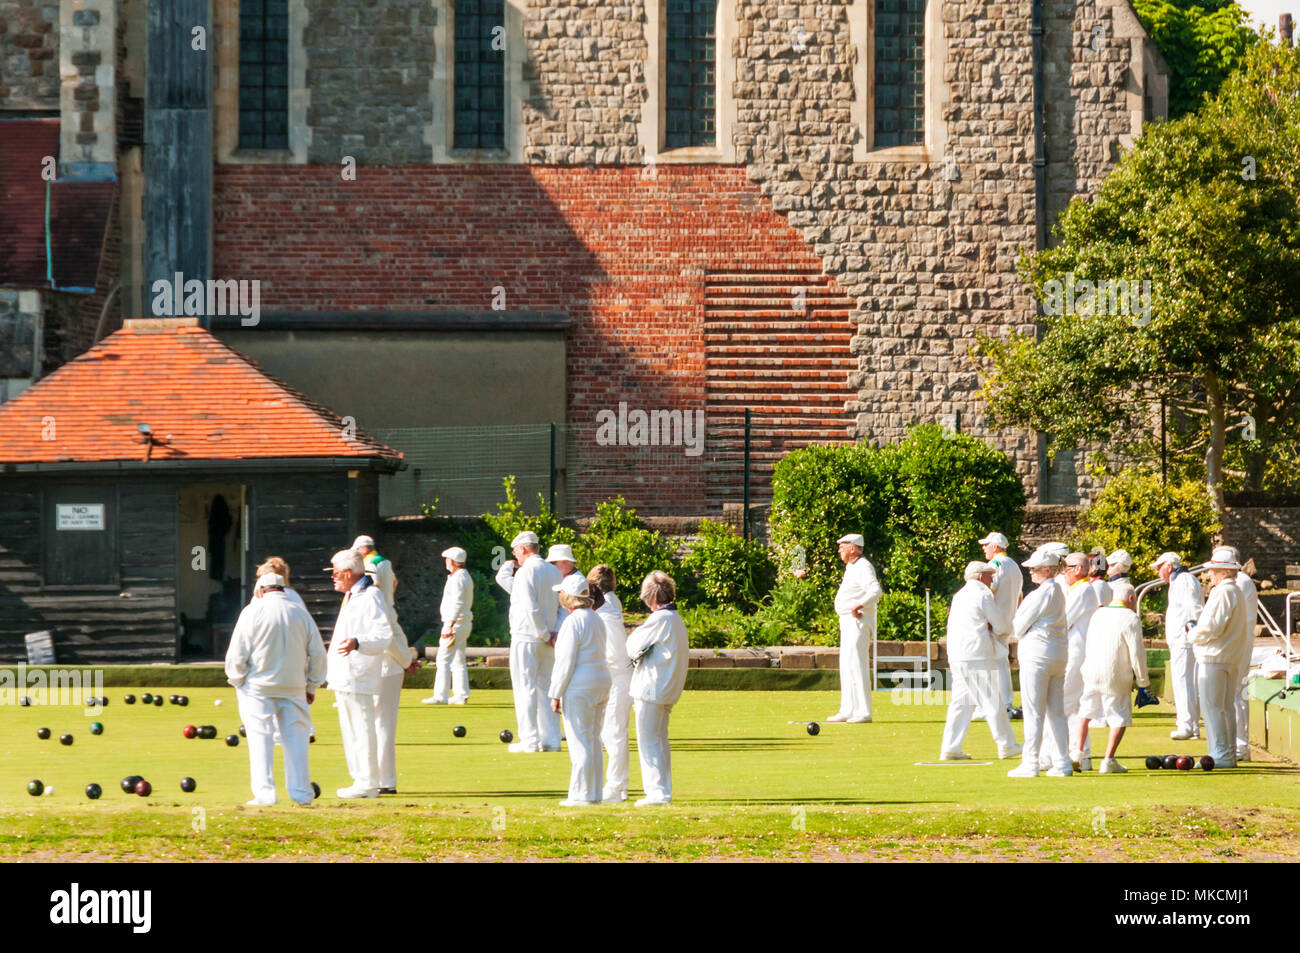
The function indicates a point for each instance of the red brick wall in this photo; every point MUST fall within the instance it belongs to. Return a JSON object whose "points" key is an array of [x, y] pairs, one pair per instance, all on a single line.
{"points": [[624, 254]]}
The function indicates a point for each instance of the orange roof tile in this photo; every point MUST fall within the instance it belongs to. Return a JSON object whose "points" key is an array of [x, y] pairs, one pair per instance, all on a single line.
{"points": [[202, 400]]}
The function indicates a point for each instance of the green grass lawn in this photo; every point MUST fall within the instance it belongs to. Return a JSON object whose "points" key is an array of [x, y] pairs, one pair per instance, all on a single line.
{"points": [[747, 784]]}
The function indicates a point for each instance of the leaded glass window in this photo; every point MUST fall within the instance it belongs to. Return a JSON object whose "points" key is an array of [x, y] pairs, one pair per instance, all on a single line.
{"points": [[689, 73], [480, 90], [900, 73], [264, 74]]}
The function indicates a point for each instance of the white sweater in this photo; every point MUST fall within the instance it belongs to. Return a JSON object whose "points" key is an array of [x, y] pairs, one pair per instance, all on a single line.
{"points": [[1115, 652], [660, 675], [533, 603], [580, 656], [275, 649], [1219, 635], [975, 620]]}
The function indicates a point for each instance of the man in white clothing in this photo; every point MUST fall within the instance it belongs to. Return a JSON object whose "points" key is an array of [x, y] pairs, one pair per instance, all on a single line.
{"points": [[451, 682], [362, 635], [1080, 604], [1116, 656], [531, 582], [1185, 604], [855, 604], [276, 662], [975, 624], [1218, 638], [398, 660], [1008, 583], [1250, 593]]}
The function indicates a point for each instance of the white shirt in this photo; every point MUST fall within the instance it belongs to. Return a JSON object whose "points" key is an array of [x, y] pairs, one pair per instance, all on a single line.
{"points": [[660, 675], [364, 617], [974, 621], [534, 605], [1251, 594], [1102, 588], [1115, 651], [384, 577], [859, 587], [275, 649], [457, 606], [580, 656], [611, 613], [1219, 635], [1185, 604], [1040, 621], [1008, 583], [1080, 604]]}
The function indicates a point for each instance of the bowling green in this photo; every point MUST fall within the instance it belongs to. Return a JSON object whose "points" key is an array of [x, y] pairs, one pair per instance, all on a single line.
{"points": [[748, 785]]}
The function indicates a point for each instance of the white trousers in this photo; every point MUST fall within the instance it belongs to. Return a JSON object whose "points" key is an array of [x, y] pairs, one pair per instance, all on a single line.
{"points": [[263, 719], [1042, 696], [584, 714], [531, 664], [1241, 707], [1182, 675], [652, 748], [1073, 695], [975, 687], [1216, 686], [451, 681], [855, 668], [360, 746], [1005, 690], [614, 735], [387, 702]]}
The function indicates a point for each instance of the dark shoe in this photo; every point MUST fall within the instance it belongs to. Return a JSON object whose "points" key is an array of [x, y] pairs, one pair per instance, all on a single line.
{"points": [[388, 790], [1016, 714]]}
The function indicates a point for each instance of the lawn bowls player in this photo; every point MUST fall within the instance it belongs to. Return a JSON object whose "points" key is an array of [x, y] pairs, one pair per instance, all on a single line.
{"points": [[362, 636], [1097, 576], [855, 604], [579, 687], [976, 623], [275, 565], [1040, 632], [1218, 638], [276, 662], [1008, 583], [1185, 605], [531, 582], [1080, 604], [660, 651], [378, 566], [1118, 565], [451, 683], [1116, 656], [614, 733], [1250, 593]]}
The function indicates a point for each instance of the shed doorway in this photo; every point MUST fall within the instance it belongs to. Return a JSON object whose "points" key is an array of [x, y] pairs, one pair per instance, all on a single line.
{"points": [[212, 567]]}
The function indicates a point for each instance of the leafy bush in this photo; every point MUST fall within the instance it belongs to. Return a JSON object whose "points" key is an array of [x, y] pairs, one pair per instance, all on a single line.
{"points": [[709, 628], [900, 617], [634, 554], [510, 520], [1136, 512], [729, 570]]}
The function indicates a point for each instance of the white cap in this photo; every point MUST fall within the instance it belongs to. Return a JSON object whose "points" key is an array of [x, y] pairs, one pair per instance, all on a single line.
{"points": [[560, 551], [456, 555], [854, 538], [526, 538], [1223, 557], [1232, 551], [1059, 550], [997, 539], [975, 568], [1171, 559], [1121, 559], [1042, 558], [270, 579], [575, 584], [363, 541]]}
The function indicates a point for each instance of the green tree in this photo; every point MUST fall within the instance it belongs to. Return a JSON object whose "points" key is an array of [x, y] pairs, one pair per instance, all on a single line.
{"points": [[1203, 213], [1203, 42]]}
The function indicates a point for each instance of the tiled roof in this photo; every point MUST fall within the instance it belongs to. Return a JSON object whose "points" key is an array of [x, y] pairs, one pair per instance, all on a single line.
{"points": [[202, 400]]}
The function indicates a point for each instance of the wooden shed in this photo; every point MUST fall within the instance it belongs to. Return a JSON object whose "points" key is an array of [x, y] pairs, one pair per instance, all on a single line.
{"points": [[142, 483]]}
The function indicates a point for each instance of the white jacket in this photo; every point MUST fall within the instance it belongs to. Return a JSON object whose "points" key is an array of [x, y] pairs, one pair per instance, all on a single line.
{"points": [[533, 603], [1008, 583], [1102, 588], [660, 675], [1039, 624], [859, 587], [364, 617], [1219, 635], [1185, 604], [975, 621], [457, 604], [580, 656], [611, 613], [1115, 652], [1080, 604], [275, 649]]}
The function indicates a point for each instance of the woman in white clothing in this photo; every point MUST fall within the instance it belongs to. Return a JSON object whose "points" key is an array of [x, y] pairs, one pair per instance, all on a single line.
{"points": [[1041, 632], [580, 687], [614, 734], [457, 612], [660, 650]]}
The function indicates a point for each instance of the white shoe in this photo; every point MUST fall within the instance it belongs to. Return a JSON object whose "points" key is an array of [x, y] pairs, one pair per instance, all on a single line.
{"points": [[357, 792], [259, 803], [1181, 734], [1055, 772], [1243, 755], [864, 720], [954, 756], [458, 701], [1015, 752], [433, 700], [613, 797], [1111, 766], [652, 802], [836, 718], [518, 747], [1023, 772], [1044, 764]]}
